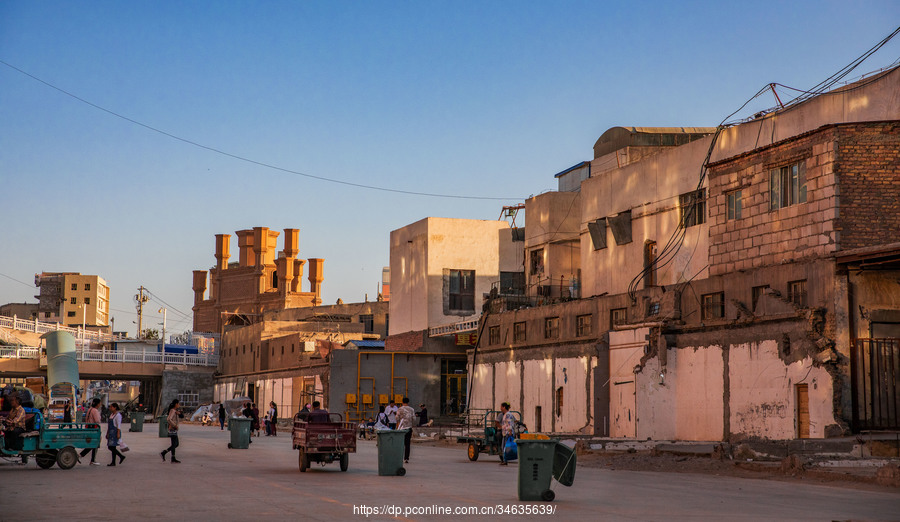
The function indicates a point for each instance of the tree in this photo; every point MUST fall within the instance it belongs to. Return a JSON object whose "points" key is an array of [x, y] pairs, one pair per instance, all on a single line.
{"points": [[150, 333]]}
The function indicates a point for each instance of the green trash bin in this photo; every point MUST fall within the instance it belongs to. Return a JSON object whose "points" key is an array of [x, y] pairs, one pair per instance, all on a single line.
{"points": [[240, 432], [536, 469], [564, 464], [163, 426], [391, 448], [137, 422]]}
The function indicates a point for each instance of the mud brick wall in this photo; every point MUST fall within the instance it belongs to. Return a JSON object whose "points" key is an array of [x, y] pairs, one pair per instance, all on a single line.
{"points": [[868, 171]]}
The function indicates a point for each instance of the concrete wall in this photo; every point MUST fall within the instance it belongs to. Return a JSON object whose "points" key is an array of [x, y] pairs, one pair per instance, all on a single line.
{"points": [[552, 226], [421, 251]]}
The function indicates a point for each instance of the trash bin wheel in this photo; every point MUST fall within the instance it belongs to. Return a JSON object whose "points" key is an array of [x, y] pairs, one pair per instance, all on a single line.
{"points": [[230, 446], [548, 495], [345, 461], [304, 461], [401, 472], [67, 458], [474, 450], [45, 460]]}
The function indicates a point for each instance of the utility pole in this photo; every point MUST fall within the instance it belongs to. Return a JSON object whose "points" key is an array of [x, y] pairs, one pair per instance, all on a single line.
{"points": [[163, 311], [140, 299]]}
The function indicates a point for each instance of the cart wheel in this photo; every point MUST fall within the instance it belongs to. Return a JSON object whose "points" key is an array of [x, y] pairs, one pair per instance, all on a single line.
{"points": [[67, 458], [304, 461], [474, 450], [345, 461], [548, 495], [45, 460], [401, 472]]}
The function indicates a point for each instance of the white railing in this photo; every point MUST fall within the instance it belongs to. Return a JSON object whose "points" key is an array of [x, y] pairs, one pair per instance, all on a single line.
{"points": [[29, 325], [123, 356], [463, 326]]}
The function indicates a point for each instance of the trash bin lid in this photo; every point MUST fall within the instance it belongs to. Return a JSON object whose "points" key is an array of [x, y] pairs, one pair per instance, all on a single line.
{"points": [[564, 464]]}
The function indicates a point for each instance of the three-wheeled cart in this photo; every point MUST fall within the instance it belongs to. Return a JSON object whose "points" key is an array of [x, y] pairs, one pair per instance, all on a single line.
{"points": [[492, 441], [324, 442]]}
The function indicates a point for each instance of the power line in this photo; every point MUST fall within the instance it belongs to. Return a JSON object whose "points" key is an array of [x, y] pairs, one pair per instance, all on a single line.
{"points": [[248, 160], [18, 281]]}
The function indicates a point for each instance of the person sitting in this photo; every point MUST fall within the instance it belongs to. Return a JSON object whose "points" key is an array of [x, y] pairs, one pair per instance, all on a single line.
{"points": [[318, 414], [304, 413], [15, 423]]}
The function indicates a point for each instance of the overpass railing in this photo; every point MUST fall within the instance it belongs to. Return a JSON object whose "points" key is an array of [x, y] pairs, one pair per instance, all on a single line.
{"points": [[123, 356], [33, 325]]}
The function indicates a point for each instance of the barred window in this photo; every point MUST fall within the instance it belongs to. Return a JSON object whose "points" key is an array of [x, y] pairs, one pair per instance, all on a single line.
{"points": [[618, 316], [583, 325], [551, 328], [693, 208], [787, 186], [713, 306], [797, 293], [519, 332], [494, 335]]}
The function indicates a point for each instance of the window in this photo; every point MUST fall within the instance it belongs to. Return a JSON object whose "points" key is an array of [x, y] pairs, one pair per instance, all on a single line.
{"points": [[583, 325], [368, 321], [551, 328], [462, 290], [71, 314], [559, 401], [87, 300], [387, 322], [74, 286], [652, 308], [73, 301], [519, 332], [537, 261], [46, 315], [512, 283], [649, 264], [713, 306], [733, 205], [619, 316], [189, 399], [797, 293], [292, 347], [494, 335], [787, 186], [758, 292], [693, 208], [87, 287]]}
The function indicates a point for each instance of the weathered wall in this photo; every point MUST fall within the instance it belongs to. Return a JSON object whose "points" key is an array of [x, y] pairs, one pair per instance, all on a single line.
{"points": [[763, 397]]}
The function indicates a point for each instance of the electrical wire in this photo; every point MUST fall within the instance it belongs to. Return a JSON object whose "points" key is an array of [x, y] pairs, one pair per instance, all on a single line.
{"points": [[252, 161], [18, 281]]}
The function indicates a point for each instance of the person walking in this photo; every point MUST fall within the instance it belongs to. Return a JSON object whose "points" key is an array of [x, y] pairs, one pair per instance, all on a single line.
{"points": [[507, 428], [172, 421], [92, 417], [114, 433], [405, 416], [423, 415], [221, 416], [381, 420]]}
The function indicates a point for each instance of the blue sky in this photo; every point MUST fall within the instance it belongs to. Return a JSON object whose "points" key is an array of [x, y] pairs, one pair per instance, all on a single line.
{"points": [[483, 99]]}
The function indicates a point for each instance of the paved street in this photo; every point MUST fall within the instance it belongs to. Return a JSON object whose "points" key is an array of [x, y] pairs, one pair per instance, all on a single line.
{"points": [[214, 482]]}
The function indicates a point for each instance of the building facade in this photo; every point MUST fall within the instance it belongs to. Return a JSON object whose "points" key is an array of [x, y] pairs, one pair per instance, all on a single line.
{"points": [[753, 295], [72, 299]]}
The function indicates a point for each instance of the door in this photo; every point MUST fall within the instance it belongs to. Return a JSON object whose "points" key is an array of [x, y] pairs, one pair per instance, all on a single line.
{"points": [[802, 411], [455, 394], [623, 410]]}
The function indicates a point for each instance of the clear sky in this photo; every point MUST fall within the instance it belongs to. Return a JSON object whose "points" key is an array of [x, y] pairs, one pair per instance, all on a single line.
{"points": [[482, 99]]}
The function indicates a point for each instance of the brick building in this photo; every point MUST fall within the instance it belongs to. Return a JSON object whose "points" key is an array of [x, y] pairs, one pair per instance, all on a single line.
{"points": [[765, 320]]}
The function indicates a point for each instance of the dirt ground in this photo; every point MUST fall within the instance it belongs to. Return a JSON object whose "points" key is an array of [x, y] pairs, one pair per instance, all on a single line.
{"points": [[788, 471]]}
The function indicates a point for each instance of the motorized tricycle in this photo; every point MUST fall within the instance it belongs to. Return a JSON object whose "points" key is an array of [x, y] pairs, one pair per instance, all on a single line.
{"points": [[324, 442], [51, 443]]}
